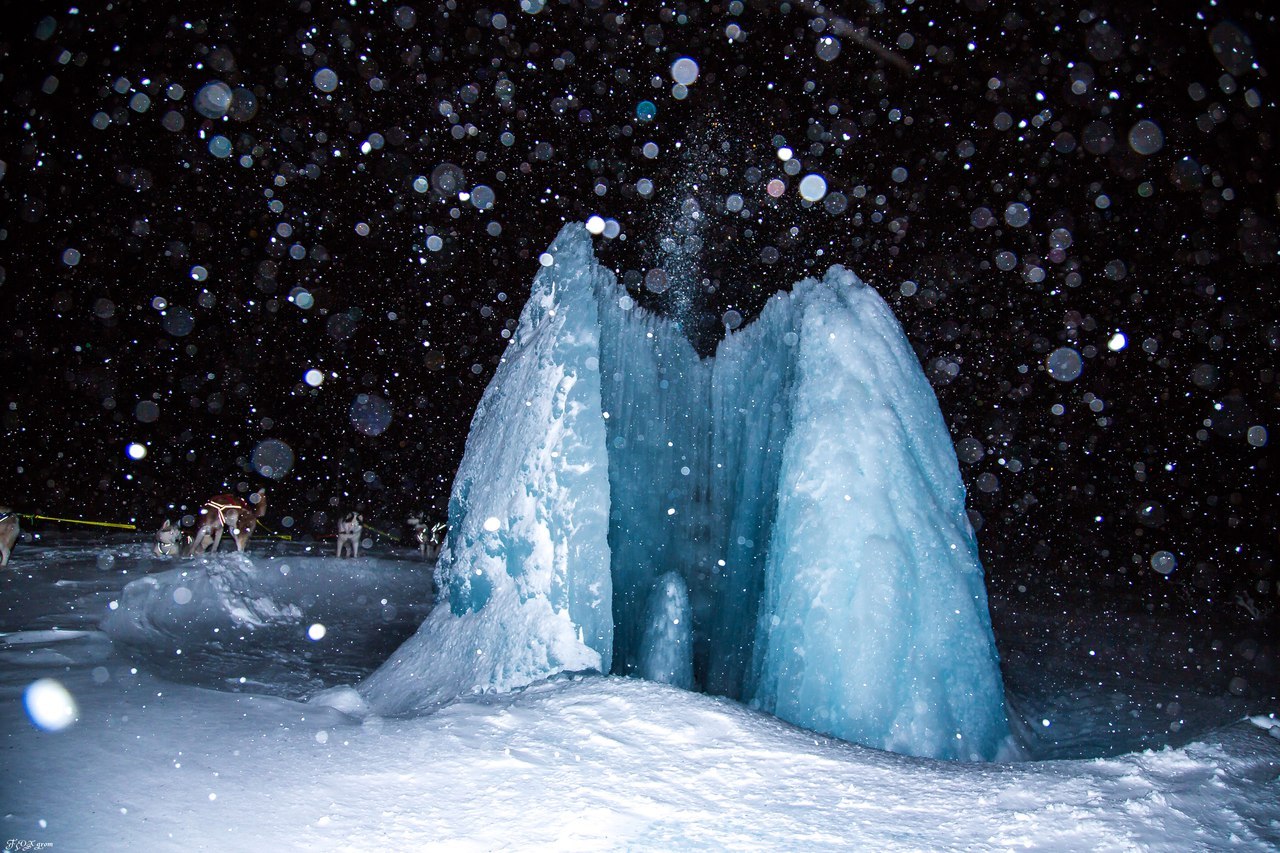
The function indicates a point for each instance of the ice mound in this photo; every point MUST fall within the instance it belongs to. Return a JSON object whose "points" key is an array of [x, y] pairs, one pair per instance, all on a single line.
{"points": [[667, 650], [801, 485], [344, 699]]}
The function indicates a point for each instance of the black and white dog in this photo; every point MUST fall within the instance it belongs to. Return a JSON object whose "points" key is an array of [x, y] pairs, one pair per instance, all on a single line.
{"points": [[349, 529]]}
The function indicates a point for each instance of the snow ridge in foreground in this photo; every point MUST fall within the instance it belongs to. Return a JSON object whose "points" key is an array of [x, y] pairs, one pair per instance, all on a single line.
{"points": [[589, 763]]}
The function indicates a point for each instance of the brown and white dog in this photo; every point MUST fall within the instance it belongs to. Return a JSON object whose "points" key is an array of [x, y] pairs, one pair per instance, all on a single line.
{"points": [[229, 512], [8, 533], [168, 539], [429, 539], [349, 530]]}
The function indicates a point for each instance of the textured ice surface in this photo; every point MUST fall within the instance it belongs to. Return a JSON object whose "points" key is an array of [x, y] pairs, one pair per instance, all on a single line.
{"points": [[524, 570], [801, 484], [874, 624]]}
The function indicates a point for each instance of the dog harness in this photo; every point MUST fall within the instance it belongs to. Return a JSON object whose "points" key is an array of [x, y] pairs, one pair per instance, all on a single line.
{"points": [[221, 508]]}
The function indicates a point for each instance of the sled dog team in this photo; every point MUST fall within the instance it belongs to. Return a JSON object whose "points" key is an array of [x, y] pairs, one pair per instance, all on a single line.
{"points": [[238, 516]]}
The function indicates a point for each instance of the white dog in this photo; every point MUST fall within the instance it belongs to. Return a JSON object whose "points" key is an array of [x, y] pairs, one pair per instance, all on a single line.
{"points": [[349, 529], [167, 542], [8, 533]]}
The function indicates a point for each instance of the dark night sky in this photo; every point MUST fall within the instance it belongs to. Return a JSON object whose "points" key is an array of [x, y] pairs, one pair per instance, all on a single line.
{"points": [[1014, 178]]}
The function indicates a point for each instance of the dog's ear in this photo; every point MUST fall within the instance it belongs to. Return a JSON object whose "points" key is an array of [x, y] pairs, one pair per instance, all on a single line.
{"points": [[166, 525]]}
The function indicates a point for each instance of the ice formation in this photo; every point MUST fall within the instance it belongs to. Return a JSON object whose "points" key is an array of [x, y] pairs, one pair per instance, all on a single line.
{"points": [[801, 485], [524, 569], [666, 653]]}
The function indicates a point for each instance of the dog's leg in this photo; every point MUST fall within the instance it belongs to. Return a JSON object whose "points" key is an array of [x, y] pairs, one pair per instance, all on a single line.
{"points": [[233, 526], [240, 533], [355, 546], [189, 547]]}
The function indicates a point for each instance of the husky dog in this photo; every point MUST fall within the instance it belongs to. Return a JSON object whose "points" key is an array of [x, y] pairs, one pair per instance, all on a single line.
{"points": [[431, 548], [8, 533], [167, 539], [429, 539], [417, 529], [349, 529], [229, 512]]}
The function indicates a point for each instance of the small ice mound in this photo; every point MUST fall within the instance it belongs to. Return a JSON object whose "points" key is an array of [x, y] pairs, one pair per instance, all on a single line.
{"points": [[223, 592], [243, 599], [345, 699], [666, 651]]}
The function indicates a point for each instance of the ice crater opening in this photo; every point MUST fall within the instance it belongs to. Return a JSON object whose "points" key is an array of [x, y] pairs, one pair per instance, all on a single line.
{"points": [[782, 523]]}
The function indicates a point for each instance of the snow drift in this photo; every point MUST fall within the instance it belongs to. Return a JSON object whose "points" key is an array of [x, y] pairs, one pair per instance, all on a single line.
{"points": [[801, 484], [235, 593], [222, 592]]}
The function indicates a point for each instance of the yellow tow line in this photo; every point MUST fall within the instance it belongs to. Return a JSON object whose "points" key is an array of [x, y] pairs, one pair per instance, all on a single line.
{"points": [[377, 531], [284, 536], [78, 521]]}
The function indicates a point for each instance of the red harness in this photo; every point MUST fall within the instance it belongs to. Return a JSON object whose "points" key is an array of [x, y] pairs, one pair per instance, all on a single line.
{"points": [[222, 503]]}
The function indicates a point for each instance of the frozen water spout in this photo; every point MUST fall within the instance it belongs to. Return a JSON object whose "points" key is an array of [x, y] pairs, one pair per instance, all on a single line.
{"points": [[782, 524]]}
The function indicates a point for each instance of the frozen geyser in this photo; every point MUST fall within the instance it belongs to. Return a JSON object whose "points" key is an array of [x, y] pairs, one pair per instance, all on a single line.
{"points": [[793, 503]]}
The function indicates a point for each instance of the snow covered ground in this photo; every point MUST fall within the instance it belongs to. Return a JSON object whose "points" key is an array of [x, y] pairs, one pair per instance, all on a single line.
{"points": [[157, 760]]}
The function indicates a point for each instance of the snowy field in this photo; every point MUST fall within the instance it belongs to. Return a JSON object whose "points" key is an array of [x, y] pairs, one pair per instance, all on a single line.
{"points": [[193, 731]]}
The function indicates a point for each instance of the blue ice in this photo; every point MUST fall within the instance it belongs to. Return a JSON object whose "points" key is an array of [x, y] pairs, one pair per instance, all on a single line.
{"points": [[782, 523]]}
